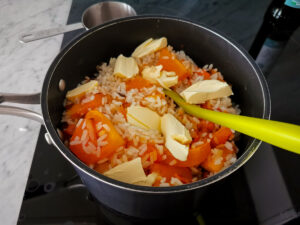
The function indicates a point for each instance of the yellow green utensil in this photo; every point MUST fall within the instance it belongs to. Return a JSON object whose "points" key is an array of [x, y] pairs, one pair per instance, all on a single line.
{"points": [[283, 135]]}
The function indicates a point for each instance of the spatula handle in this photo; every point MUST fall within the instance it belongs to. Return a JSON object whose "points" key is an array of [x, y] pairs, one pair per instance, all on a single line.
{"points": [[283, 135], [41, 34]]}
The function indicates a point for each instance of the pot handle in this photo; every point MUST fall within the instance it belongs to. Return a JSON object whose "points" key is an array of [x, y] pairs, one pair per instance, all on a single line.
{"points": [[37, 35], [20, 98], [21, 112]]}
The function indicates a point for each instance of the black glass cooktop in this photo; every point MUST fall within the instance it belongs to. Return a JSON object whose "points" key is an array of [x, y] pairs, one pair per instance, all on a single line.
{"points": [[56, 195]]}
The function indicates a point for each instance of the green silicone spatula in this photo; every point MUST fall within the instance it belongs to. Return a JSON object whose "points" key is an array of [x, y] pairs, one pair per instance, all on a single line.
{"points": [[283, 135]]}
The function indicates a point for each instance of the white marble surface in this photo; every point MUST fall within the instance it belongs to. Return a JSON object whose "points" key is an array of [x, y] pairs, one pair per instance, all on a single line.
{"points": [[22, 70]]}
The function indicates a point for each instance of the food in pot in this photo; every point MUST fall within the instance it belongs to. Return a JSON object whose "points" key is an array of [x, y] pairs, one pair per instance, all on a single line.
{"points": [[121, 124]]}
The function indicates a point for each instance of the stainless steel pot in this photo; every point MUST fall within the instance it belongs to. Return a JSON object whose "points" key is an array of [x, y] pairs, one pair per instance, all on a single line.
{"points": [[204, 45], [94, 15]]}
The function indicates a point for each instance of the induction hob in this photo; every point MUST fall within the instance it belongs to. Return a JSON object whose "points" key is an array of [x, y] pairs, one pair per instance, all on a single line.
{"points": [[56, 195]]}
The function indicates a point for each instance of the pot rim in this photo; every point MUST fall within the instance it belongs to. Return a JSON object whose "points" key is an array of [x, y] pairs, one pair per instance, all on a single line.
{"points": [[252, 147]]}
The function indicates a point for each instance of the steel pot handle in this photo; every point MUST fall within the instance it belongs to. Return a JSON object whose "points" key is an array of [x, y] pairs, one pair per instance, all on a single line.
{"points": [[21, 112], [37, 35], [20, 98]]}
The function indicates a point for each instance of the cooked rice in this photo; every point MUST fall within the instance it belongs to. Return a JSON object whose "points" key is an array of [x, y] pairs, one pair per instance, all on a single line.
{"points": [[102, 161], [83, 125], [175, 181], [79, 122], [173, 162], [98, 126], [229, 146], [195, 144]]}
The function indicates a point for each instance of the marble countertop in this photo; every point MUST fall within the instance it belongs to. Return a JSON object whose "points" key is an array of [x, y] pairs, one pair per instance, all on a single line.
{"points": [[22, 69]]}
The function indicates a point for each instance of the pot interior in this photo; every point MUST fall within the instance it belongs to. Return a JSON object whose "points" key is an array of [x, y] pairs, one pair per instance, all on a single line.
{"points": [[204, 46]]}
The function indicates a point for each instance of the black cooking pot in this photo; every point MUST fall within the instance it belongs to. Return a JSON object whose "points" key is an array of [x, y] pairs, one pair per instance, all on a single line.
{"points": [[204, 45]]}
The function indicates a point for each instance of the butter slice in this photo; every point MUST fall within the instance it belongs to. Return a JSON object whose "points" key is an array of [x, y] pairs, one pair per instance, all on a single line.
{"points": [[125, 67], [156, 76], [81, 90], [143, 117], [170, 126], [177, 137], [178, 150], [152, 73], [150, 46], [206, 90], [131, 172], [167, 79], [150, 179]]}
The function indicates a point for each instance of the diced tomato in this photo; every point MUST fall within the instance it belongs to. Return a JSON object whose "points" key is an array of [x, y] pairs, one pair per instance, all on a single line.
{"points": [[122, 110], [151, 154], [206, 126], [113, 139], [79, 110], [183, 173], [103, 167], [206, 105], [137, 82], [86, 151], [214, 162], [221, 136], [195, 157]]}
